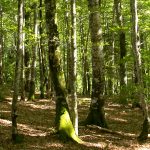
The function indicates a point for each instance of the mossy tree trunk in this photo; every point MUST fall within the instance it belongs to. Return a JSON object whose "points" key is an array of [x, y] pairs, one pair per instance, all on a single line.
{"points": [[17, 70], [63, 122], [138, 70], [96, 115]]}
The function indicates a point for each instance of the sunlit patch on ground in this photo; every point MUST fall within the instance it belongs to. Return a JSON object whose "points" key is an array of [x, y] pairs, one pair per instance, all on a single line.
{"points": [[35, 106], [119, 119]]}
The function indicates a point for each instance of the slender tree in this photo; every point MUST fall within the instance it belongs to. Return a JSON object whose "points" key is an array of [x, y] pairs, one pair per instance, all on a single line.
{"points": [[1, 46], [63, 122], [22, 85], [122, 47], [68, 47], [84, 44], [74, 66], [27, 50], [110, 52], [17, 70], [96, 114], [41, 52], [138, 69], [34, 51]]}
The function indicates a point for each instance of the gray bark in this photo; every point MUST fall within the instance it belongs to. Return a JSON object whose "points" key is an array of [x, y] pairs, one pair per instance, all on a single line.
{"points": [[74, 66], [22, 62], [17, 70], [96, 115], [41, 53]]}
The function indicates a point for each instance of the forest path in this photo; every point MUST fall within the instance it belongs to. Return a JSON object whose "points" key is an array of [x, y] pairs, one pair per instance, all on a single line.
{"points": [[36, 125]]}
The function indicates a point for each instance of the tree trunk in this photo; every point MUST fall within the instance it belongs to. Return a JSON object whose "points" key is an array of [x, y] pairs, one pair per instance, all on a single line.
{"points": [[27, 52], [109, 44], [96, 115], [41, 52], [1, 45], [22, 85], [68, 47], [122, 46], [85, 66], [63, 122], [34, 51], [17, 70], [138, 68], [74, 66]]}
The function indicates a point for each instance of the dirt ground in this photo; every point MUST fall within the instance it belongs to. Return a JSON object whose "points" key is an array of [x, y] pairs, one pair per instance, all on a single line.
{"points": [[36, 127]]}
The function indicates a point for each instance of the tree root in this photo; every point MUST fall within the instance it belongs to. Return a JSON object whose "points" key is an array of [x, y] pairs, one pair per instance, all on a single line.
{"points": [[125, 135]]}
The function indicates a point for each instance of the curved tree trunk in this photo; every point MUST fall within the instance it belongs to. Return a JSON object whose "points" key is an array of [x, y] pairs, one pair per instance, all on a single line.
{"points": [[96, 115], [63, 122]]}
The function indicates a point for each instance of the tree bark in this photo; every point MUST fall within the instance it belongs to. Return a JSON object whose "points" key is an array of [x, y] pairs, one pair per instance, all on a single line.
{"points": [[68, 47], [63, 122], [41, 53], [22, 85], [1, 45], [96, 115], [17, 70], [122, 45], [85, 63], [74, 66], [27, 52], [34, 51]]}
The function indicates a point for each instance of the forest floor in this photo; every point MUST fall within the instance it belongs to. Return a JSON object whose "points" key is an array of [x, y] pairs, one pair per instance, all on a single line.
{"points": [[36, 125]]}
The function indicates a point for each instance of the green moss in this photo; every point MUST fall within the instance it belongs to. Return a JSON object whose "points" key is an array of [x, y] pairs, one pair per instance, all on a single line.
{"points": [[66, 128]]}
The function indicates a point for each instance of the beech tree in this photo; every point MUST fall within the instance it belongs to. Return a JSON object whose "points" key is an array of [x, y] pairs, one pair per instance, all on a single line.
{"points": [[94, 42], [34, 51], [27, 50], [17, 70], [74, 66], [63, 122], [22, 85], [122, 48], [1, 45], [41, 52], [96, 114]]}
